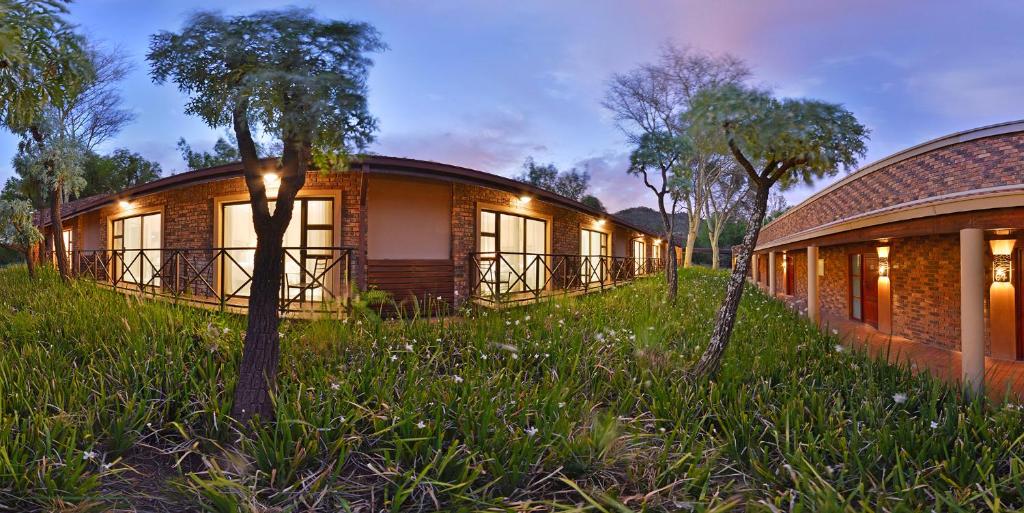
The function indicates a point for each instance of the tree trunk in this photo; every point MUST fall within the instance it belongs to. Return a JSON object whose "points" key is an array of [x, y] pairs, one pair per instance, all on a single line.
{"points": [[30, 263], [671, 269], [713, 237], [261, 352], [726, 317], [57, 229], [691, 240]]}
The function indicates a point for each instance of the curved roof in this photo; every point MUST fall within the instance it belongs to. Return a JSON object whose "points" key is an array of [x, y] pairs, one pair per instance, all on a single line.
{"points": [[373, 163], [933, 172]]}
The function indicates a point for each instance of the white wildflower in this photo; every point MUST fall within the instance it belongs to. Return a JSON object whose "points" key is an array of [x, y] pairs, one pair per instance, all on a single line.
{"points": [[394, 357], [530, 431], [421, 424], [899, 397], [839, 348], [457, 378], [335, 386], [561, 404], [408, 347], [835, 331], [89, 455], [934, 424]]}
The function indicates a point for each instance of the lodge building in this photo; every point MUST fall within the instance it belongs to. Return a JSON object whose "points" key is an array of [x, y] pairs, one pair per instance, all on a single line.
{"points": [[421, 231], [924, 244]]}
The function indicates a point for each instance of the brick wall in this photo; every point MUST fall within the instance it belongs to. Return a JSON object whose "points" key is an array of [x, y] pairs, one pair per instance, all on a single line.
{"points": [[980, 163], [925, 281]]}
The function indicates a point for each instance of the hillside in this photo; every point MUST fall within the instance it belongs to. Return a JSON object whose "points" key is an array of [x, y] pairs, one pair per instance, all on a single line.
{"points": [[650, 219]]}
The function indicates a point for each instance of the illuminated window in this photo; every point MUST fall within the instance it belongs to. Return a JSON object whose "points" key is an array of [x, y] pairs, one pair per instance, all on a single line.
{"points": [[594, 250], [512, 252], [136, 243]]}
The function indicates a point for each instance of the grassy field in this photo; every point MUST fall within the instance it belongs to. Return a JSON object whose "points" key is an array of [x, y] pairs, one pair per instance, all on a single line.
{"points": [[573, 405]]}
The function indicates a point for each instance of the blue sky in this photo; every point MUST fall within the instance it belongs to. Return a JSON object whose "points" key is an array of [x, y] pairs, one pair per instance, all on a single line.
{"points": [[485, 83]]}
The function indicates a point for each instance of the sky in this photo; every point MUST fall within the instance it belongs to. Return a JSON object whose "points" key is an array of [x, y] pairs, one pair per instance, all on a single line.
{"points": [[486, 84]]}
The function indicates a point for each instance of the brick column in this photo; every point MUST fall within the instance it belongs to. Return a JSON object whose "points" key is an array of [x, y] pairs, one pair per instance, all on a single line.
{"points": [[972, 308], [771, 273], [812, 284]]}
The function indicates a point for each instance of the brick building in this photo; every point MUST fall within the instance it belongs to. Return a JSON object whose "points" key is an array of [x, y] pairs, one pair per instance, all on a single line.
{"points": [[924, 244], [417, 230]]}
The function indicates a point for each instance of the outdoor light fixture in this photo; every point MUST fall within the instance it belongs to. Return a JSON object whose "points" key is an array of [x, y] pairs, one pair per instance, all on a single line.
{"points": [[599, 222], [1002, 266], [272, 183], [883, 261], [657, 241], [524, 199], [124, 204]]}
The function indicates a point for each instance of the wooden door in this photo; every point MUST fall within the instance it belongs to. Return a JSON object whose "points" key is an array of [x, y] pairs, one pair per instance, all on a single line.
{"points": [[790, 276], [870, 288]]}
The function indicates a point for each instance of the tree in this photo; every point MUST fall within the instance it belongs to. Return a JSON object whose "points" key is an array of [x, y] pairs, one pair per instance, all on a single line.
{"points": [[223, 153], [106, 174], [656, 160], [572, 184], [776, 207], [17, 231], [40, 59], [776, 142], [95, 112], [593, 202], [42, 65], [52, 159], [297, 79], [653, 98], [728, 196]]}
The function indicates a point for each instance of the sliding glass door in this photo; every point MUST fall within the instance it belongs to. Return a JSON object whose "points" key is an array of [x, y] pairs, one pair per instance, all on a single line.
{"points": [[521, 244], [593, 249], [136, 242], [308, 243], [639, 256]]}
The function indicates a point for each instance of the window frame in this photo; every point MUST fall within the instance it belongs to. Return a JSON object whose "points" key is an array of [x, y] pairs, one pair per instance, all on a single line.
{"points": [[498, 211]]}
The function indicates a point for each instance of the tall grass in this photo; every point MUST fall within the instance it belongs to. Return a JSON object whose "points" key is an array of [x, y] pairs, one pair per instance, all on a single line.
{"points": [[574, 404]]}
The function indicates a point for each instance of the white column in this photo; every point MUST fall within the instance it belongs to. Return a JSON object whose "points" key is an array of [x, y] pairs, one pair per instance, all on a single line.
{"points": [[972, 308], [754, 263], [771, 273], [812, 283]]}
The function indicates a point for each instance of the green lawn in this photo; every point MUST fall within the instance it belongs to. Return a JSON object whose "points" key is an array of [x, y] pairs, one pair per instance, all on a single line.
{"points": [[577, 404]]}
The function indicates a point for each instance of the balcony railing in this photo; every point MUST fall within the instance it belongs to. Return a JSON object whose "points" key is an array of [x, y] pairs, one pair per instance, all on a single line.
{"points": [[515, 277], [313, 278]]}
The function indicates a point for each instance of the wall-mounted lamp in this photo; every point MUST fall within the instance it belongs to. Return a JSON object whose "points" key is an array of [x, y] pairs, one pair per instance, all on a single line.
{"points": [[883, 261], [657, 241], [1002, 266], [599, 222], [272, 184], [524, 199], [124, 204]]}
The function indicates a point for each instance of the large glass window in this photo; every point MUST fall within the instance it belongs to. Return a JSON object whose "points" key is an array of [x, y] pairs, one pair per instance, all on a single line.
{"points": [[308, 243], [594, 250], [639, 256], [69, 249], [136, 244], [512, 252]]}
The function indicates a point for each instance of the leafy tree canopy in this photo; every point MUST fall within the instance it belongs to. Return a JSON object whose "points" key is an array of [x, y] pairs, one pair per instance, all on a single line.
{"points": [[785, 141], [17, 231], [292, 75], [223, 153], [593, 202], [121, 169], [572, 184], [41, 60]]}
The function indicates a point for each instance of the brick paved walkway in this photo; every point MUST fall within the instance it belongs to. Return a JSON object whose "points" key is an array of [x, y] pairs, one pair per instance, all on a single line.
{"points": [[1001, 376]]}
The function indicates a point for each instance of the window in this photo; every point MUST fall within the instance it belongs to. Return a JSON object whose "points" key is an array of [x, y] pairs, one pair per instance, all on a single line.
{"points": [[856, 293], [512, 252], [308, 245], [69, 239], [593, 249], [136, 244], [639, 256]]}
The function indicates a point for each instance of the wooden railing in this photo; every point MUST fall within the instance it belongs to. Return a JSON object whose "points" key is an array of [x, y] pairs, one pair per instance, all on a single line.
{"points": [[512, 277], [313, 277]]}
